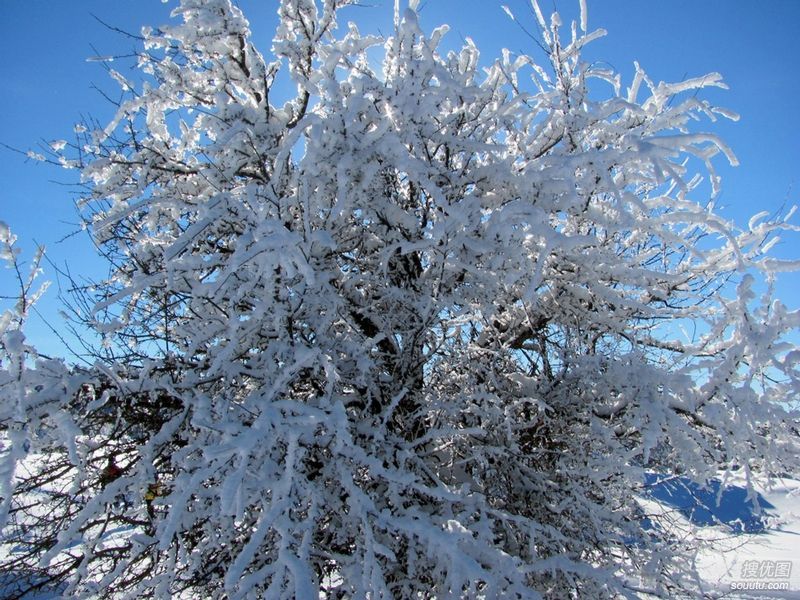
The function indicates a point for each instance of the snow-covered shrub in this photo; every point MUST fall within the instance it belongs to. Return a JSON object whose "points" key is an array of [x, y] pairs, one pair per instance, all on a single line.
{"points": [[415, 333]]}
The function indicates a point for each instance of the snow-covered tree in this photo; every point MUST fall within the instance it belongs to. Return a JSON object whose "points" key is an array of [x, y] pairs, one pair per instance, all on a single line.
{"points": [[418, 332]]}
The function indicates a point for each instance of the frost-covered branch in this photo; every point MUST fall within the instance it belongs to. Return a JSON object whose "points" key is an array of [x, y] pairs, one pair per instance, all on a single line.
{"points": [[417, 332]]}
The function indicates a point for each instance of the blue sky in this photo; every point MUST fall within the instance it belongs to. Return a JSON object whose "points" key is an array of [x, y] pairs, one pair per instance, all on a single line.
{"points": [[48, 86]]}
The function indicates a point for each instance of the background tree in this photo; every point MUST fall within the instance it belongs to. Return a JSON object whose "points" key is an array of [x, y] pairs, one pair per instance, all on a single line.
{"points": [[415, 332]]}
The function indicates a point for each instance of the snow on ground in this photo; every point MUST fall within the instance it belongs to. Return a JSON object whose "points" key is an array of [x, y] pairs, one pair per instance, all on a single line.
{"points": [[754, 556], [763, 560]]}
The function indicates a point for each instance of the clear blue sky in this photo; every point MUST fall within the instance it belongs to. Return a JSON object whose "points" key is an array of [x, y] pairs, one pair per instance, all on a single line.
{"points": [[47, 85]]}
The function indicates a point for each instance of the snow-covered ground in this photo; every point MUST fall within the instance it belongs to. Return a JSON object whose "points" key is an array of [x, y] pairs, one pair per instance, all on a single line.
{"points": [[753, 556], [768, 560]]}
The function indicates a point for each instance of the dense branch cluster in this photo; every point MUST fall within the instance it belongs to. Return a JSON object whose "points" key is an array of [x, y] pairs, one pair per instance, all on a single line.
{"points": [[419, 332]]}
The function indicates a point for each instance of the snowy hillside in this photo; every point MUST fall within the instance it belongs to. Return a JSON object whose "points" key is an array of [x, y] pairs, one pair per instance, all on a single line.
{"points": [[771, 552], [755, 554]]}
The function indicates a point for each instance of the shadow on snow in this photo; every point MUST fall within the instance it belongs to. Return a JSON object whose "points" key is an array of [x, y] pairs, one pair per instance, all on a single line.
{"points": [[711, 504]]}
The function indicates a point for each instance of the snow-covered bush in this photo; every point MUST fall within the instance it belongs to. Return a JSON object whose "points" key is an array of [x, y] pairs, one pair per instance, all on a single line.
{"points": [[415, 333]]}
